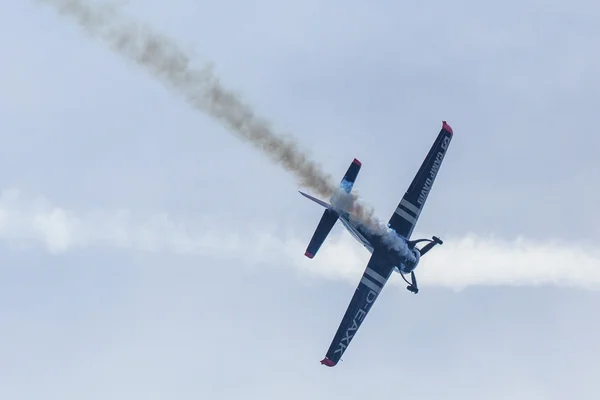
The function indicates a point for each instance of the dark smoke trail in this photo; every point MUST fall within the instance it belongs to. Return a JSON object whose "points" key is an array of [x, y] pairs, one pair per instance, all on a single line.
{"points": [[204, 92], [199, 86]]}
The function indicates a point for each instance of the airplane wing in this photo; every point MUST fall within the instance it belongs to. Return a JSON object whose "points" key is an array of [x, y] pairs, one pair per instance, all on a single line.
{"points": [[373, 280], [407, 213]]}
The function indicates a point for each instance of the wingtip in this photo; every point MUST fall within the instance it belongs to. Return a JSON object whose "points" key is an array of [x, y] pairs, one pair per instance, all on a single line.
{"points": [[309, 255], [447, 127], [357, 162], [327, 362]]}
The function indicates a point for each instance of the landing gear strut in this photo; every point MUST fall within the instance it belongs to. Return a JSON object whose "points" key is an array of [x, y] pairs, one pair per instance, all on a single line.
{"points": [[432, 242], [412, 286]]}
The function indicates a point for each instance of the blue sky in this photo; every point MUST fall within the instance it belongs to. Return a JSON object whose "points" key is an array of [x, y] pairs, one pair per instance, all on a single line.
{"points": [[148, 253]]}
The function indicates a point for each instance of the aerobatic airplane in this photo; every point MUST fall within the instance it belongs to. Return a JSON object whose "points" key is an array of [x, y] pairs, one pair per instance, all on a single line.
{"points": [[384, 259]]}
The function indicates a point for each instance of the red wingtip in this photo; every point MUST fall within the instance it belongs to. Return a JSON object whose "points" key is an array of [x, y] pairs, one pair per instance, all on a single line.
{"points": [[447, 127], [357, 162], [327, 362], [307, 254]]}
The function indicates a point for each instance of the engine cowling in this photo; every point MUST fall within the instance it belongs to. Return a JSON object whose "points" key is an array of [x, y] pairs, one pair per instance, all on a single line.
{"points": [[410, 263]]}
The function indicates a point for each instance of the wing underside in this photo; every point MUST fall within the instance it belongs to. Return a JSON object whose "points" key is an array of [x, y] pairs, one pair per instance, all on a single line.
{"points": [[409, 209], [373, 280]]}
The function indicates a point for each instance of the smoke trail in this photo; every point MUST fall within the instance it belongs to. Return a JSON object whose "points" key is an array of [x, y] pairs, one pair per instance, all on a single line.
{"points": [[202, 89], [199, 86]]}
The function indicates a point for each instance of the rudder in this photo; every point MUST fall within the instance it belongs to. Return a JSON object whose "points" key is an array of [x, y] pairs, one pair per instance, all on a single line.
{"points": [[350, 176]]}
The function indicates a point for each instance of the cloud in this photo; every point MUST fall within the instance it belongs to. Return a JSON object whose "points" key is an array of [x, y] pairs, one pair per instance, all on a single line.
{"points": [[459, 263]]}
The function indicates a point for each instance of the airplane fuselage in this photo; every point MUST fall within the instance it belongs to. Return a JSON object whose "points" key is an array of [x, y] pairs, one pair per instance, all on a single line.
{"points": [[392, 250], [403, 262]]}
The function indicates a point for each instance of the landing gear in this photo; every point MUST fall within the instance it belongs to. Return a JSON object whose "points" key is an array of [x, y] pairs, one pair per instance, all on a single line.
{"points": [[434, 240], [412, 289], [413, 286]]}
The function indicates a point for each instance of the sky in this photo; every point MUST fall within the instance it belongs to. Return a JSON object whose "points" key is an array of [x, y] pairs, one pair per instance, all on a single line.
{"points": [[149, 253]]}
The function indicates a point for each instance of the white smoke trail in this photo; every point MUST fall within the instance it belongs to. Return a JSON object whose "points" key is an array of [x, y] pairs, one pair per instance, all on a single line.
{"points": [[459, 263], [204, 92]]}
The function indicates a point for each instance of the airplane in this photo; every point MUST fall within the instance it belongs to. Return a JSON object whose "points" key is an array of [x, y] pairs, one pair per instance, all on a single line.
{"points": [[384, 259]]}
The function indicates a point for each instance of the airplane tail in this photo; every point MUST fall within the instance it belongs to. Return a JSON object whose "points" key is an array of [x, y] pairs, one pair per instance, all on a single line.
{"points": [[330, 216]]}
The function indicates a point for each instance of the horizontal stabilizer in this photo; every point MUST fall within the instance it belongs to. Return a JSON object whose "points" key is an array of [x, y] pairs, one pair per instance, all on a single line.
{"points": [[330, 216], [326, 223], [320, 202]]}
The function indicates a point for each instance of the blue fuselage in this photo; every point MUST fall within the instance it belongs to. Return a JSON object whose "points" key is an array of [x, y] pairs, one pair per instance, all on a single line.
{"points": [[403, 262]]}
